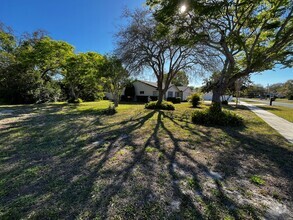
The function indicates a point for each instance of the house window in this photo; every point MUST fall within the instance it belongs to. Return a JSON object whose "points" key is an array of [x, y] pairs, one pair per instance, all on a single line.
{"points": [[170, 94], [155, 93], [177, 94], [141, 92]]}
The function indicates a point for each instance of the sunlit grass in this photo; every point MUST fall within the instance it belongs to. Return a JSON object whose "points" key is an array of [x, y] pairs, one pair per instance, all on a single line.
{"points": [[70, 161], [283, 112]]}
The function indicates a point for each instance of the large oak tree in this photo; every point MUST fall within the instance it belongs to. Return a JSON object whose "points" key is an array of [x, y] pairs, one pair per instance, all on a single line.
{"points": [[140, 47], [248, 35]]}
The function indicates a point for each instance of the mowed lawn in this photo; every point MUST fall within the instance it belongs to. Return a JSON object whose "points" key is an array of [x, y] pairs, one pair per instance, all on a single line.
{"points": [[281, 111], [61, 161]]}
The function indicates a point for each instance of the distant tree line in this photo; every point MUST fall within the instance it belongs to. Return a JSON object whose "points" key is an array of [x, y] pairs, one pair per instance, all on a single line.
{"points": [[34, 68], [280, 90]]}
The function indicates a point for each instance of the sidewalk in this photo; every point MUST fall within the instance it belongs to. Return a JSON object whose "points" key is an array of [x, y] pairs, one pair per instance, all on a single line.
{"points": [[284, 127]]}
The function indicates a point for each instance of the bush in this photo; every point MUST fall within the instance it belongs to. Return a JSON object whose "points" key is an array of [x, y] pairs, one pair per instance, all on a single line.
{"points": [[174, 100], [213, 117], [76, 101], [194, 99], [165, 106], [111, 110], [224, 102]]}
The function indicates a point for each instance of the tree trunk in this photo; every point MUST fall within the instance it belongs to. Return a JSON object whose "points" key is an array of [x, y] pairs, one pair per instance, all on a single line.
{"points": [[116, 103], [160, 97], [116, 100], [72, 93], [216, 100]]}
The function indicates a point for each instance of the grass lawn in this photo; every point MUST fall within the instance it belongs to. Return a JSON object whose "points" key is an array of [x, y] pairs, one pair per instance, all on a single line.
{"points": [[284, 101], [283, 112], [277, 100], [62, 161]]}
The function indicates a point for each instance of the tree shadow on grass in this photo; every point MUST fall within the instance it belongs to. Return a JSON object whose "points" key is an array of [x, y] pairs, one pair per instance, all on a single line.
{"points": [[59, 163], [82, 166], [216, 204], [278, 159]]}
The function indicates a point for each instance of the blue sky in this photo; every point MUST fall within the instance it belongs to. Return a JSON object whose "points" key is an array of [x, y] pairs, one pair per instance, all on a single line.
{"points": [[89, 25]]}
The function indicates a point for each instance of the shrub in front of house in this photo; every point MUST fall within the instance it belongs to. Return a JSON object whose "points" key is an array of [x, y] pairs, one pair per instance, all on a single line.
{"points": [[174, 100], [164, 105], [76, 101], [211, 117], [194, 99]]}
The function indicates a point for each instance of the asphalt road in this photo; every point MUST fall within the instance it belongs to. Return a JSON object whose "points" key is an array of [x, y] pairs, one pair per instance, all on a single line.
{"points": [[289, 105]]}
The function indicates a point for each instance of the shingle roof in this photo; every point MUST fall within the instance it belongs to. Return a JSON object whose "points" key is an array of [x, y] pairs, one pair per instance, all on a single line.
{"points": [[182, 88], [153, 84]]}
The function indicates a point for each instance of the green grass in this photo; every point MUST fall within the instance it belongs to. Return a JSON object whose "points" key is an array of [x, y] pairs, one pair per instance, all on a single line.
{"points": [[283, 112], [276, 100], [73, 161], [284, 101], [257, 180]]}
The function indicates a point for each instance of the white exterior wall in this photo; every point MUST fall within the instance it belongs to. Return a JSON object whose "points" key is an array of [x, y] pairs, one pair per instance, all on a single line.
{"points": [[148, 90], [186, 93], [209, 96], [173, 89]]}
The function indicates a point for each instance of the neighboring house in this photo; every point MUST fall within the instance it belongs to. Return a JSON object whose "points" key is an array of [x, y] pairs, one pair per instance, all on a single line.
{"points": [[209, 97], [146, 89], [185, 92]]}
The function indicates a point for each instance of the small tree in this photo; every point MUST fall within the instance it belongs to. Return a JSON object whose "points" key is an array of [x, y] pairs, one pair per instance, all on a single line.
{"points": [[117, 77], [129, 91]]}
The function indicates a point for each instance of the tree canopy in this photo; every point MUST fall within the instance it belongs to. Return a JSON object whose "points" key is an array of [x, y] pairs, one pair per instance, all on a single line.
{"points": [[140, 47], [248, 36], [181, 79], [83, 76], [34, 68], [116, 77]]}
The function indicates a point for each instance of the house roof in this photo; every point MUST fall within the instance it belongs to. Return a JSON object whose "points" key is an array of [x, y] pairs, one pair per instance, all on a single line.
{"points": [[153, 84], [182, 88]]}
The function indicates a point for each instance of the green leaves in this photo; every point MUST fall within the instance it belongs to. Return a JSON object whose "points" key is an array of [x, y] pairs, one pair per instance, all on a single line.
{"points": [[247, 36], [83, 75]]}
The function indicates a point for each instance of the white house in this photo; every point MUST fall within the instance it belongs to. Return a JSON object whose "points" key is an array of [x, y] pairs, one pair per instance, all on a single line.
{"points": [[185, 92], [209, 96], [145, 90]]}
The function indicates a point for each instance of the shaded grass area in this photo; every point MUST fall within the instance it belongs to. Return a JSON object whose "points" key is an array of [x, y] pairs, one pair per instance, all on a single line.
{"points": [[61, 161]]}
